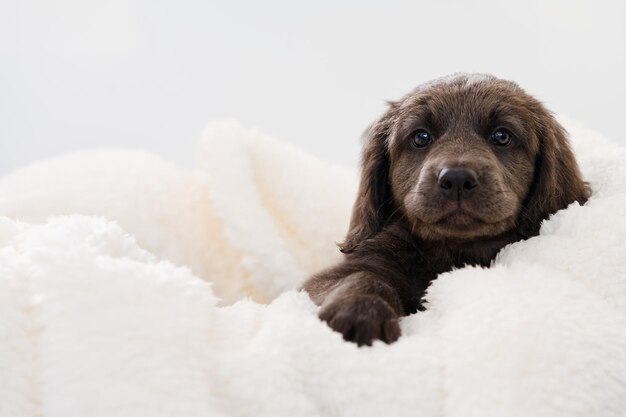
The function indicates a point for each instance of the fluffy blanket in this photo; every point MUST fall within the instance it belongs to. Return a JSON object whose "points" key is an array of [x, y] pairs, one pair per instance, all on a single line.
{"points": [[171, 292]]}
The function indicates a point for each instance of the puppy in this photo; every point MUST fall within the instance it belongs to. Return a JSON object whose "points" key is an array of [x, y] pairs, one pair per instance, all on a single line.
{"points": [[451, 173]]}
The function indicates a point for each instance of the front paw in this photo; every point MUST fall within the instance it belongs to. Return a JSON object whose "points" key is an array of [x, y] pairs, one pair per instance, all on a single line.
{"points": [[362, 319]]}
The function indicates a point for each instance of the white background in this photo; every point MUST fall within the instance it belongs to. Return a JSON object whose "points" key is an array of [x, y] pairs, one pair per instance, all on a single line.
{"points": [[149, 74]]}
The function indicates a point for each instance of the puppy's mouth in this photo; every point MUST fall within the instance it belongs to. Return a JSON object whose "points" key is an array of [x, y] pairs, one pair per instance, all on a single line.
{"points": [[460, 223], [459, 219]]}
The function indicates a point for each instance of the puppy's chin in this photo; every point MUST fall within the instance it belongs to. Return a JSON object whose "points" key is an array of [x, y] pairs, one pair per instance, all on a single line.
{"points": [[461, 227]]}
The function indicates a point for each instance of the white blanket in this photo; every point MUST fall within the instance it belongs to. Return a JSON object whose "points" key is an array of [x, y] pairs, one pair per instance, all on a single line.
{"points": [[97, 319]]}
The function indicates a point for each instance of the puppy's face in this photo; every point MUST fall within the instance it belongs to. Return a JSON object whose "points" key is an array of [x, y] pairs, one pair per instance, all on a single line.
{"points": [[462, 157]]}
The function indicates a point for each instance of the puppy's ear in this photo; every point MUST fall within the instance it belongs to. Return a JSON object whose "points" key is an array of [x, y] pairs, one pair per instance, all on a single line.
{"points": [[373, 203], [557, 180]]}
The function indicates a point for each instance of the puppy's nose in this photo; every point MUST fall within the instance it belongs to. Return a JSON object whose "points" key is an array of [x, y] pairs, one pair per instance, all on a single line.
{"points": [[457, 183]]}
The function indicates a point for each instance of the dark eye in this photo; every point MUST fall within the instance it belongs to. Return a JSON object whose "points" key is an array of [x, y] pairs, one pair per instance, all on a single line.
{"points": [[421, 138], [500, 137]]}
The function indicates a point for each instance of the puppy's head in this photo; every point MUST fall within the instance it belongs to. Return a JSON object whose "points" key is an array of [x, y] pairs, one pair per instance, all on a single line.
{"points": [[464, 157]]}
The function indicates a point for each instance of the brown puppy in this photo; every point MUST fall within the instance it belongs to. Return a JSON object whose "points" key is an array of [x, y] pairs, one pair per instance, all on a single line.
{"points": [[451, 173]]}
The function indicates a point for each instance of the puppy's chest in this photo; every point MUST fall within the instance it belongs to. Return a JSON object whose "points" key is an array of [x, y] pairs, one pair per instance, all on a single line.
{"points": [[427, 264], [423, 269]]}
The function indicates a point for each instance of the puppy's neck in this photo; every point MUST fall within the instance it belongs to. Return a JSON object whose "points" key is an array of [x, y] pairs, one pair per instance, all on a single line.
{"points": [[443, 255]]}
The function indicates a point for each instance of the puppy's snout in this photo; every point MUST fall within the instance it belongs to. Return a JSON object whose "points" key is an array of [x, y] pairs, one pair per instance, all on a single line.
{"points": [[457, 183]]}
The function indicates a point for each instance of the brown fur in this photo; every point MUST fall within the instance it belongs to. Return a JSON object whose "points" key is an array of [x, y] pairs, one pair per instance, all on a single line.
{"points": [[404, 231]]}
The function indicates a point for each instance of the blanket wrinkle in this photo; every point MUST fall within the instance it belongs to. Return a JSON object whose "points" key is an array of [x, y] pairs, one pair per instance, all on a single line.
{"points": [[243, 212]]}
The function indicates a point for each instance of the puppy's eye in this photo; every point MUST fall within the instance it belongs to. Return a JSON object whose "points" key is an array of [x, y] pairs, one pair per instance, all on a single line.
{"points": [[500, 137], [422, 138]]}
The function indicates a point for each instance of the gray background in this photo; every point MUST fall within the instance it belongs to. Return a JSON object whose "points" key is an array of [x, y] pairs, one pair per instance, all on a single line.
{"points": [[149, 74]]}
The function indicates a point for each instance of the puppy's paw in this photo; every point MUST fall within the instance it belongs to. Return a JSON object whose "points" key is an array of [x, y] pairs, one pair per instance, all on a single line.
{"points": [[362, 319]]}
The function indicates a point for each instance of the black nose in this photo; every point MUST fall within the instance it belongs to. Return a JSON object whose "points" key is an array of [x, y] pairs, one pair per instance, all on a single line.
{"points": [[457, 183]]}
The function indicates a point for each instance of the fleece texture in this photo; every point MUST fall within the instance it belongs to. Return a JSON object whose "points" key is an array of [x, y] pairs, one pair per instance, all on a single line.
{"points": [[131, 287]]}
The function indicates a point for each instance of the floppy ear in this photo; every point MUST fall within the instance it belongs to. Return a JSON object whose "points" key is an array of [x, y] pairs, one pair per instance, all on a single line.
{"points": [[373, 203], [557, 180]]}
